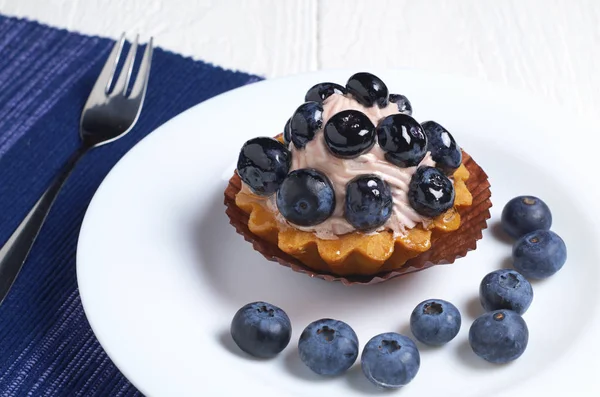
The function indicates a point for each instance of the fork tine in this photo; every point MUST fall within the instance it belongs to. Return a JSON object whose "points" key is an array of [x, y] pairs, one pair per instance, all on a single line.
{"points": [[141, 81], [108, 70], [123, 80]]}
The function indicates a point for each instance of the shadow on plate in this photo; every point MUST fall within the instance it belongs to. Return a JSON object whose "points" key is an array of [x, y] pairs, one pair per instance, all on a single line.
{"points": [[474, 309], [499, 233], [506, 263], [230, 266], [406, 331]]}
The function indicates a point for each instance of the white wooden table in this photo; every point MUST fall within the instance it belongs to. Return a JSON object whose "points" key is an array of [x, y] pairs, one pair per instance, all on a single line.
{"points": [[548, 47]]}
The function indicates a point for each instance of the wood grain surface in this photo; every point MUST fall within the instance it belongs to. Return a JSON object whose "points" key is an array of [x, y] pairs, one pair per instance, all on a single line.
{"points": [[548, 47]]}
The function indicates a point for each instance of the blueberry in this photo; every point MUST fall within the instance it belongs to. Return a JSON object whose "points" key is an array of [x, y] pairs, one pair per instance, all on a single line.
{"points": [[306, 197], [320, 92], [287, 132], [390, 360], [430, 192], [499, 336], [263, 164], [444, 150], [261, 329], [349, 133], [525, 214], [368, 89], [402, 102], [402, 139], [305, 123], [368, 202], [435, 322], [505, 289], [328, 347], [539, 254]]}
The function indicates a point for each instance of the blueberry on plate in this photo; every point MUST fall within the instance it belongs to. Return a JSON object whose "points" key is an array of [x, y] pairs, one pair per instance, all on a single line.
{"points": [[402, 139], [539, 254], [524, 214], [349, 133], [328, 347], [390, 360], [306, 197], [505, 289], [320, 92], [261, 329], [402, 102], [305, 123], [435, 322], [263, 164], [368, 89], [287, 132], [499, 337], [430, 192], [444, 150], [368, 202]]}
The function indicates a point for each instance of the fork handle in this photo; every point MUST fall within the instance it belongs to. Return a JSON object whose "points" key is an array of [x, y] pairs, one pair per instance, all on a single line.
{"points": [[14, 253]]}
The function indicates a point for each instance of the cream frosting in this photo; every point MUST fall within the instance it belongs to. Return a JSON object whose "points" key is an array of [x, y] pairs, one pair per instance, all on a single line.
{"points": [[340, 171]]}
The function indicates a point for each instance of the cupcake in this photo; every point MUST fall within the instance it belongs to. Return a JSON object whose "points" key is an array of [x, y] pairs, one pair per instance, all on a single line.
{"points": [[355, 189]]}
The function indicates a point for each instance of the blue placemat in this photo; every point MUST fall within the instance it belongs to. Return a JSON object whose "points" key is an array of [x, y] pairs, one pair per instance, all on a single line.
{"points": [[46, 344]]}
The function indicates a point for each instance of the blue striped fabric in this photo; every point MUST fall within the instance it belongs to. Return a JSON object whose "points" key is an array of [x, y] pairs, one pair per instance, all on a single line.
{"points": [[46, 345]]}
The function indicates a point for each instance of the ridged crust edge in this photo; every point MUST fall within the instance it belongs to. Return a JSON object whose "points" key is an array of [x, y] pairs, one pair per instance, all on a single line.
{"points": [[446, 247]]}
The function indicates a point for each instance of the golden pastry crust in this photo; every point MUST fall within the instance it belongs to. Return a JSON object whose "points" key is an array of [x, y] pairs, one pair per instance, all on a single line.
{"points": [[355, 253], [445, 247]]}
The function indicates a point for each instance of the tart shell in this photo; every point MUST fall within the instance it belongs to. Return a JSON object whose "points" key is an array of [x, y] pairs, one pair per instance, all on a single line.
{"points": [[362, 261]]}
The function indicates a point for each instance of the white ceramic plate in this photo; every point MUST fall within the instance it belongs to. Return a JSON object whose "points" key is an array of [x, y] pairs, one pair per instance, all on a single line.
{"points": [[161, 272]]}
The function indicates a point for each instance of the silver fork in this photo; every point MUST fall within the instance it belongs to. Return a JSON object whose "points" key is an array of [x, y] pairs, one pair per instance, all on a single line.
{"points": [[107, 116]]}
